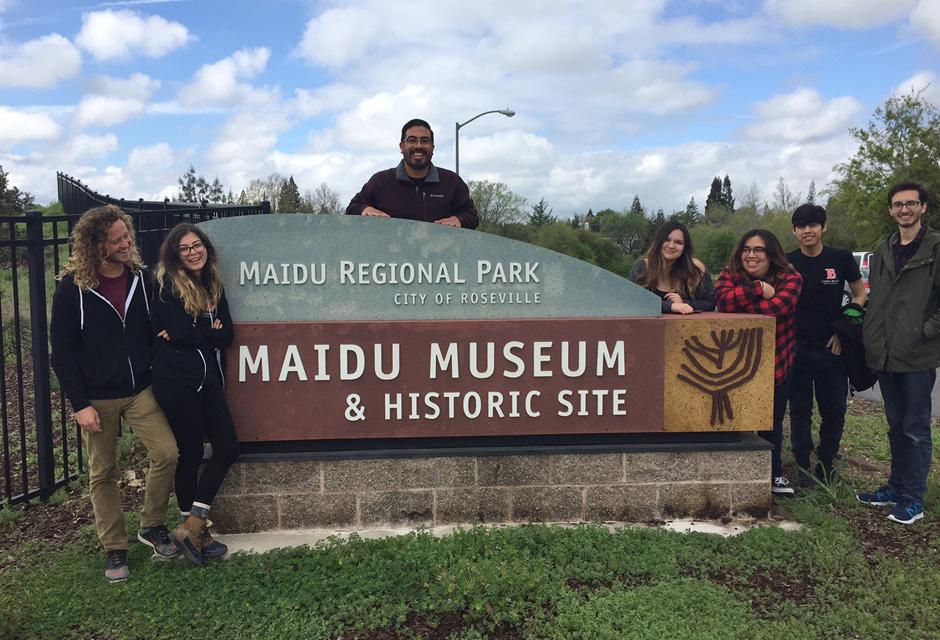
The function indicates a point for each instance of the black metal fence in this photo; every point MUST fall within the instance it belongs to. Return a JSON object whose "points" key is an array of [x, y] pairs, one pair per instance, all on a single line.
{"points": [[40, 445]]}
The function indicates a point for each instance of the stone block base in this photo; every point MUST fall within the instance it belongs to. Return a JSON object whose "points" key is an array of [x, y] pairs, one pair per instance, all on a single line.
{"points": [[628, 484]]}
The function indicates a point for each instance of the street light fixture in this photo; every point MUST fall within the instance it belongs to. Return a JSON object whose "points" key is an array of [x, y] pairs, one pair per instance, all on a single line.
{"points": [[506, 112]]}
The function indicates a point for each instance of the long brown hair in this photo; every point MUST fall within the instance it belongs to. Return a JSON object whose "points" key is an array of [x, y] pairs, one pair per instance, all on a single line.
{"points": [[196, 292], [89, 236], [683, 275], [775, 255]]}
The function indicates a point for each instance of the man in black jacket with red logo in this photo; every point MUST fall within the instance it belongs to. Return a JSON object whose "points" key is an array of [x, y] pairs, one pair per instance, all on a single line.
{"points": [[416, 189], [101, 351]]}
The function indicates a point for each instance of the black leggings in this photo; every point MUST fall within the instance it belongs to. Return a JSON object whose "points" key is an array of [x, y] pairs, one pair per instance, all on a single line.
{"points": [[192, 415]]}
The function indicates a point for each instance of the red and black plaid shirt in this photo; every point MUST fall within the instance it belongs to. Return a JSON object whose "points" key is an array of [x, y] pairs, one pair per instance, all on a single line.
{"points": [[743, 295]]}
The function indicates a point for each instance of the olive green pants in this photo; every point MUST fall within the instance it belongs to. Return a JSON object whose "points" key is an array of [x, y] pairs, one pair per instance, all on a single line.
{"points": [[142, 414]]}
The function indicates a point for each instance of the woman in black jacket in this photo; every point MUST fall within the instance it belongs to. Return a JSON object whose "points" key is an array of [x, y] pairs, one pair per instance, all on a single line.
{"points": [[671, 271], [193, 326]]}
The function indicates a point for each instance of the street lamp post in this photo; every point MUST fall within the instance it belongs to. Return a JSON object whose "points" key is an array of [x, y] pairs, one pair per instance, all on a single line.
{"points": [[506, 112]]}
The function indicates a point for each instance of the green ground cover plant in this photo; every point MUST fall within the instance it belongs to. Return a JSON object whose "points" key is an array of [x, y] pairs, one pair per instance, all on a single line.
{"points": [[846, 573]]}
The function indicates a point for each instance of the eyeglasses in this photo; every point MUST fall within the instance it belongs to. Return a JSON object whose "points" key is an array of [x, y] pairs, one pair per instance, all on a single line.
{"points": [[422, 140], [186, 249], [757, 251], [910, 204]]}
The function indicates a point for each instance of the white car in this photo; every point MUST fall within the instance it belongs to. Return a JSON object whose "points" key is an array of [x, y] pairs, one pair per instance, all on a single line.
{"points": [[862, 259]]}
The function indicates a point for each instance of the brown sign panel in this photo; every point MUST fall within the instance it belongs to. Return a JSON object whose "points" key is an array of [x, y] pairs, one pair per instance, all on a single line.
{"points": [[339, 380]]}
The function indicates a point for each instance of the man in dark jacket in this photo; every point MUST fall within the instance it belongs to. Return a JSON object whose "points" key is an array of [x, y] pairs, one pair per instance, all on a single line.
{"points": [[101, 352], [416, 189], [902, 346]]}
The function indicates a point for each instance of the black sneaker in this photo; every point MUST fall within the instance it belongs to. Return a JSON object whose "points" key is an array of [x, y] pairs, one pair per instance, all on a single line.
{"points": [[115, 566], [781, 486], [158, 539], [804, 478], [879, 497]]}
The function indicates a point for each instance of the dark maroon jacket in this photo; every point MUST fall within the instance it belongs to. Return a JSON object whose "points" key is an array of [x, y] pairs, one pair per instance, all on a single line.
{"points": [[441, 195]]}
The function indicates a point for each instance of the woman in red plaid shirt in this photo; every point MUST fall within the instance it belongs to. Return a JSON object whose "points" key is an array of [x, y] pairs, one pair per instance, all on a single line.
{"points": [[758, 279]]}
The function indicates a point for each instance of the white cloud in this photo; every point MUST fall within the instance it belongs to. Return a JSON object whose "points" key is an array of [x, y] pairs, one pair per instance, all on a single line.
{"points": [[40, 63], [850, 14], [138, 86], [240, 150], [118, 35], [926, 19], [84, 147], [106, 111], [218, 83], [21, 126], [339, 36], [802, 116], [114, 100], [925, 83]]}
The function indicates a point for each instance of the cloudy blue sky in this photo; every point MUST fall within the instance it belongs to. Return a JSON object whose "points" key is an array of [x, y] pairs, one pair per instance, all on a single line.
{"points": [[613, 98]]}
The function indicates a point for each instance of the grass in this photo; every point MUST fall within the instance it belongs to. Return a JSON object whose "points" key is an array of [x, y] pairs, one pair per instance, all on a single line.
{"points": [[831, 579]]}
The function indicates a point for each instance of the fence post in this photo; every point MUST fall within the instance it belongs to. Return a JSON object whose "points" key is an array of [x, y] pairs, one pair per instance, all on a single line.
{"points": [[42, 400]]}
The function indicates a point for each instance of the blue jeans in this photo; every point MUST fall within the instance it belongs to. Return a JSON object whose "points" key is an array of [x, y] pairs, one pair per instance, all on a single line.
{"points": [[775, 437], [817, 369], [907, 407]]}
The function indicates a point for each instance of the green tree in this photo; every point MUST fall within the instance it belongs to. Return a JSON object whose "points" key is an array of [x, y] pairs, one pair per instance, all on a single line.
{"points": [[900, 143], [324, 201], [187, 186], [690, 217], [636, 207], [727, 195], [811, 193], [496, 204], [12, 200], [289, 199], [628, 231], [717, 210], [541, 215], [216, 191], [713, 246], [566, 240]]}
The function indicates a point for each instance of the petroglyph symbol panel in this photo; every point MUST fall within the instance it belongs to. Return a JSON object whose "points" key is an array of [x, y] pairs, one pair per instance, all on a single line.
{"points": [[723, 374], [729, 362]]}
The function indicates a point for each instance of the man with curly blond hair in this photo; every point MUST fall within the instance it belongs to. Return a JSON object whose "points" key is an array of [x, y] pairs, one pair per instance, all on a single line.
{"points": [[102, 340]]}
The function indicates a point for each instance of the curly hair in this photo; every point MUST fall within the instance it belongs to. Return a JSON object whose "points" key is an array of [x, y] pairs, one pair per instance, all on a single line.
{"points": [[89, 236], [194, 291]]}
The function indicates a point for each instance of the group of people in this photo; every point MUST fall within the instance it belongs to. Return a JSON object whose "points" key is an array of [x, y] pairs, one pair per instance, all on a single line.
{"points": [[147, 353], [803, 291]]}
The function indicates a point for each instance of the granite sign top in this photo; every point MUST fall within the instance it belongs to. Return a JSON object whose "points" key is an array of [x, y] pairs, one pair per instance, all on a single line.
{"points": [[300, 267]]}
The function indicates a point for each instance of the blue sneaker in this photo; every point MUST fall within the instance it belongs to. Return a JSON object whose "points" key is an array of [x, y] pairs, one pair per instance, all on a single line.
{"points": [[878, 498], [907, 511]]}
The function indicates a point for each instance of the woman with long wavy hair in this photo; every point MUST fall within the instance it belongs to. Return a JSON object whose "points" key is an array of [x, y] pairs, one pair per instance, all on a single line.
{"points": [[193, 328], [759, 279], [670, 270]]}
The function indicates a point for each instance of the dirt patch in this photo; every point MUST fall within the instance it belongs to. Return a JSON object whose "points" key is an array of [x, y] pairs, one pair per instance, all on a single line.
{"points": [[766, 589], [876, 534], [55, 525]]}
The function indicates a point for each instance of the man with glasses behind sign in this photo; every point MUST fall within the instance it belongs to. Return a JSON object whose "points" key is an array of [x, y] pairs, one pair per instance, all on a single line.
{"points": [[902, 346], [416, 189]]}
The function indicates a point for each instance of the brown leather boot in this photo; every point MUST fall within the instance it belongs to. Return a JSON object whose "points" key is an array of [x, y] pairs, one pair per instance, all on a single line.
{"points": [[189, 536], [211, 548]]}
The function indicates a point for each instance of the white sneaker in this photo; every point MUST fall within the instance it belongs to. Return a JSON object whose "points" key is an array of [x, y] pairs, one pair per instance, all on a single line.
{"points": [[781, 486]]}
